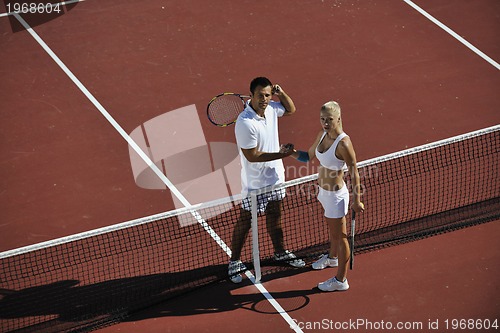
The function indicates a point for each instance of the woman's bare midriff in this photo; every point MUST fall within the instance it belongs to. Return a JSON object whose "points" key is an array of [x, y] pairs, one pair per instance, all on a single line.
{"points": [[330, 180]]}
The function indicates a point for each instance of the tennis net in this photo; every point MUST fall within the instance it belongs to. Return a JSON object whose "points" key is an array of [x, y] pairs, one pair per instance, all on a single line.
{"points": [[99, 277]]}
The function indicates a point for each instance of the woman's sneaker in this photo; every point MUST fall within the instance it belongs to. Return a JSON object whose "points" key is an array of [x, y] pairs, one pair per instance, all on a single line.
{"points": [[333, 284], [235, 267], [325, 261]]}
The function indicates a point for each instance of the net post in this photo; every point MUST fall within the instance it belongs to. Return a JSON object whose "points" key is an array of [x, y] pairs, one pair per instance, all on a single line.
{"points": [[255, 237]]}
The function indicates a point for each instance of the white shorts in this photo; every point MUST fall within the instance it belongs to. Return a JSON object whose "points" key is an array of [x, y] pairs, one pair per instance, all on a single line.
{"points": [[335, 203], [263, 199]]}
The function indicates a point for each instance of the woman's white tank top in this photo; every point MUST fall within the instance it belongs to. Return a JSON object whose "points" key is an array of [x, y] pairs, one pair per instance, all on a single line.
{"points": [[328, 158]]}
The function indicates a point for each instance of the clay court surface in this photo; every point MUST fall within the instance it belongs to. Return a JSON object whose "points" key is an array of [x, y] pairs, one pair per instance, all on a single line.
{"points": [[401, 79]]}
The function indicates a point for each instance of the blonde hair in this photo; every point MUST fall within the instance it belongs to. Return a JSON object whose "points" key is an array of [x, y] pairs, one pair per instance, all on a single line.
{"points": [[333, 108]]}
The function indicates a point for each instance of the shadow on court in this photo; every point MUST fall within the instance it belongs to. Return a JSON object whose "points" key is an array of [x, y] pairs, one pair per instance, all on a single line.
{"points": [[66, 304]]}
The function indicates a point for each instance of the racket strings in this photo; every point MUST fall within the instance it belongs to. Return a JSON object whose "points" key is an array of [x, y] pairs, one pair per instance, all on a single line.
{"points": [[224, 110]]}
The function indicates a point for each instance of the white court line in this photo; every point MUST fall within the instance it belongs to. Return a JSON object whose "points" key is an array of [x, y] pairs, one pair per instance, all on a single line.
{"points": [[454, 34], [155, 169], [122, 132]]}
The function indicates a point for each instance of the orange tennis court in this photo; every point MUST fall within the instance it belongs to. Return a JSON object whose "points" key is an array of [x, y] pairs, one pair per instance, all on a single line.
{"points": [[91, 84]]}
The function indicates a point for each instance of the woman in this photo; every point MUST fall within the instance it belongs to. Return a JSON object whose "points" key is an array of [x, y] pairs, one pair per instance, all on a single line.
{"points": [[334, 150]]}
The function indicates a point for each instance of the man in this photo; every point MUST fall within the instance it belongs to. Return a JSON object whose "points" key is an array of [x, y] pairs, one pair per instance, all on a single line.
{"points": [[257, 138]]}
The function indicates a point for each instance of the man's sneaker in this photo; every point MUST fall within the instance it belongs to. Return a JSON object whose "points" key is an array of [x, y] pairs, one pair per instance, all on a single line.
{"points": [[333, 284], [289, 258], [235, 267], [325, 261]]}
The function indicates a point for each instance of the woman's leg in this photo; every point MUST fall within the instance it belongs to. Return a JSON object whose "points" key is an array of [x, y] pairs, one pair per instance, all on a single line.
{"points": [[339, 245]]}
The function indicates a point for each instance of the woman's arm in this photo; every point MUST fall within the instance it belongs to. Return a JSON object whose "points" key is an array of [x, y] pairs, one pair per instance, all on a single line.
{"points": [[346, 151], [311, 153]]}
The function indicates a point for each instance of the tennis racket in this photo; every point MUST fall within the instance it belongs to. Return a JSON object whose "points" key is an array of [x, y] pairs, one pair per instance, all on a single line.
{"points": [[353, 229], [224, 109]]}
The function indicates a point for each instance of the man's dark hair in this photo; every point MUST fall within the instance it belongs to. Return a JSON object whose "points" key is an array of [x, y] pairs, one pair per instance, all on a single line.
{"points": [[259, 81]]}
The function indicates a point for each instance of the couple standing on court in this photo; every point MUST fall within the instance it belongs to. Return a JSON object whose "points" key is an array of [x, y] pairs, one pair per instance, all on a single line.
{"points": [[261, 160]]}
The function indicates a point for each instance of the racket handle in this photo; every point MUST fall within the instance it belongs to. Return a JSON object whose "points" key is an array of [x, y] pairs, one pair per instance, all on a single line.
{"points": [[351, 259]]}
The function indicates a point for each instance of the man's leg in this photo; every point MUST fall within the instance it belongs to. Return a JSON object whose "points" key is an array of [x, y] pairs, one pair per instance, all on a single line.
{"points": [[240, 233], [273, 224]]}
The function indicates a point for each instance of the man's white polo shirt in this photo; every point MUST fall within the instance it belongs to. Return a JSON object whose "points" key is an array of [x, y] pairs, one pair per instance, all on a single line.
{"points": [[252, 131]]}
